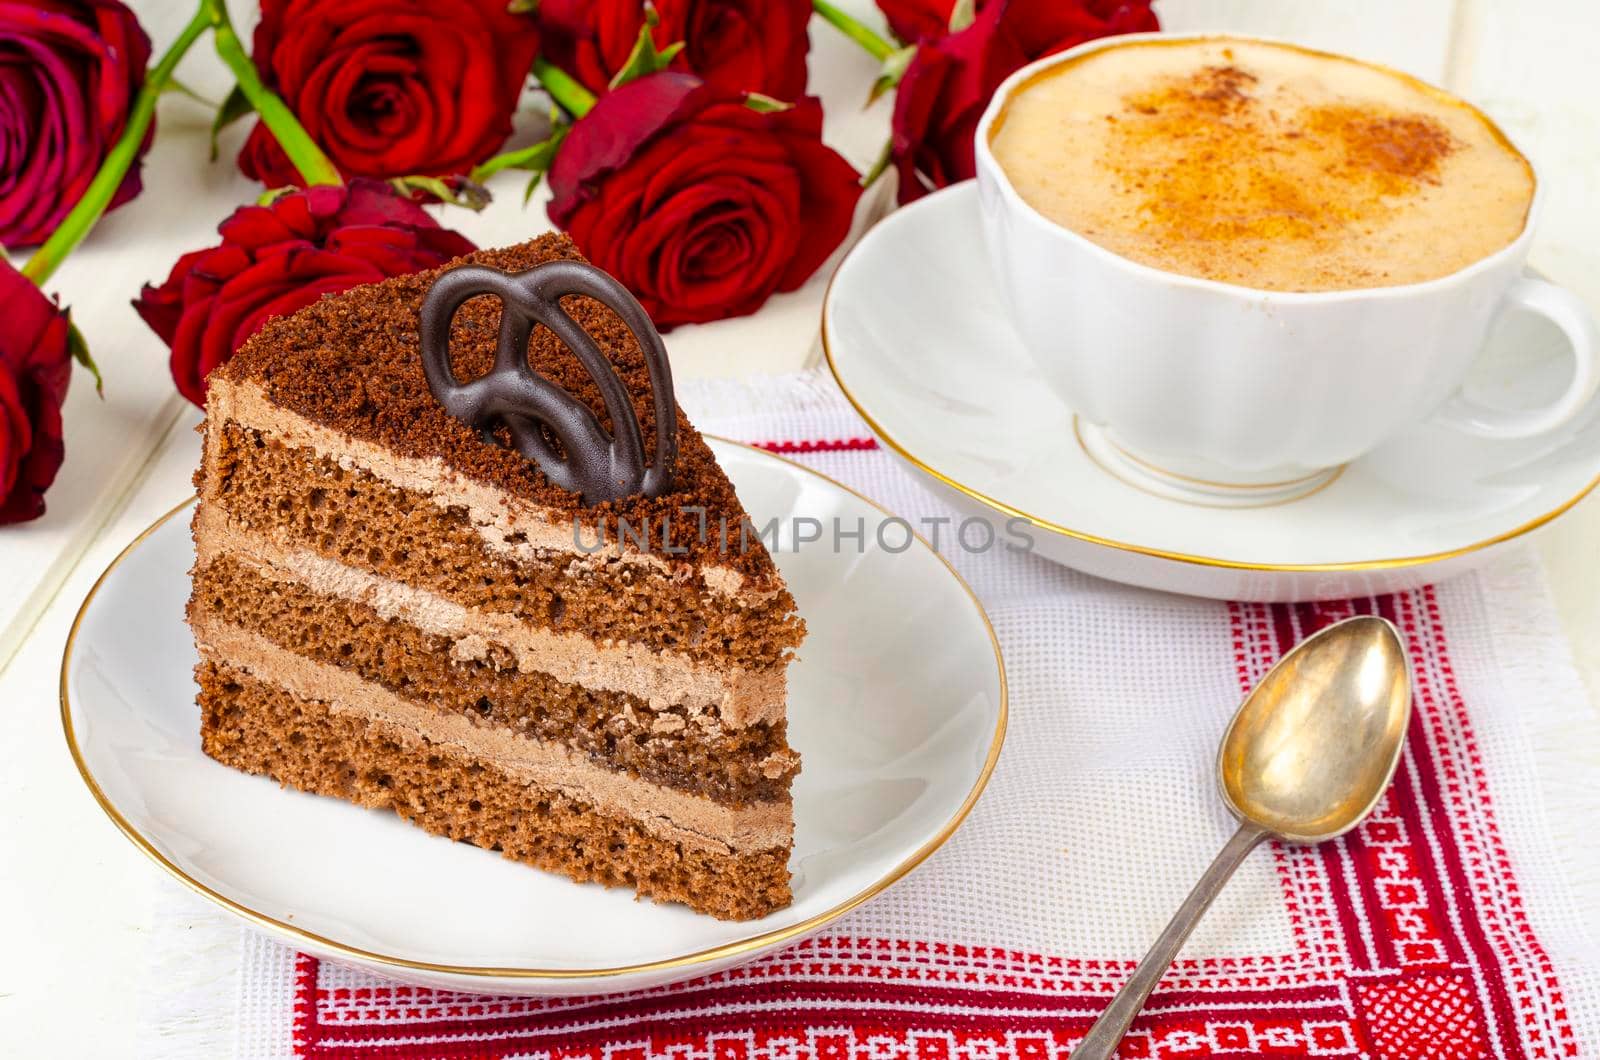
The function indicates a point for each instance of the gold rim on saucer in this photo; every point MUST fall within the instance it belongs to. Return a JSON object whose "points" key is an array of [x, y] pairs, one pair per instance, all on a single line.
{"points": [[688, 960], [1049, 526]]}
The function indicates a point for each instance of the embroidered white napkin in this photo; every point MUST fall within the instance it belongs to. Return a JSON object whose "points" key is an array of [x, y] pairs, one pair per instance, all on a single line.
{"points": [[1458, 922]]}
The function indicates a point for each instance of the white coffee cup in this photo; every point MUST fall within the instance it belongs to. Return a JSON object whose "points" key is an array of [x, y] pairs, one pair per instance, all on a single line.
{"points": [[1220, 388]]}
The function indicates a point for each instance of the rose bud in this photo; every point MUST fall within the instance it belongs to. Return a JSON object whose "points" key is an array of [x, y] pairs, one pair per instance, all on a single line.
{"points": [[69, 72], [700, 204], [952, 77], [277, 258], [35, 368], [740, 45], [391, 89]]}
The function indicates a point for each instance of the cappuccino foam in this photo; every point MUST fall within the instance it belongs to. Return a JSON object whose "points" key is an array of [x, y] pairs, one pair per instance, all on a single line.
{"points": [[1263, 165]]}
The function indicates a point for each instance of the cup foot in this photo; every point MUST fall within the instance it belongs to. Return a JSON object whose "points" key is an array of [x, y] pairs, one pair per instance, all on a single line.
{"points": [[1142, 474]]}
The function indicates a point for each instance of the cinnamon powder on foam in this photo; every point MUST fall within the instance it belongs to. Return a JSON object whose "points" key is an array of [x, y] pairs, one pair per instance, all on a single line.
{"points": [[1235, 162]]}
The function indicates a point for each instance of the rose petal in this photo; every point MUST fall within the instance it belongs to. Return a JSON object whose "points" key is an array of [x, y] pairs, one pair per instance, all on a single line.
{"points": [[276, 258], [35, 370]]}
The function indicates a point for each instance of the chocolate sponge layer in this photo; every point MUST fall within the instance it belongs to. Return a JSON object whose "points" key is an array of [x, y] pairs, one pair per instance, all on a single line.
{"points": [[301, 743], [349, 515], [668, 746]]}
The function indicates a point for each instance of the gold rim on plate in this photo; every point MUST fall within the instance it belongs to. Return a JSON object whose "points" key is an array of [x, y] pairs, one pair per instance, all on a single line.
{"points": [[1049, 526], [764, 940]]}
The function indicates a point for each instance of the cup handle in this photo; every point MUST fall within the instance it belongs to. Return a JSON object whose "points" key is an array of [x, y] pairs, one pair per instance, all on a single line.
{"points": [[1564, 309]]}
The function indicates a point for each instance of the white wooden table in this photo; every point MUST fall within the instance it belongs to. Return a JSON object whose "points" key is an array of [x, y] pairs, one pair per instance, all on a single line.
{"points": [[76, 899]]}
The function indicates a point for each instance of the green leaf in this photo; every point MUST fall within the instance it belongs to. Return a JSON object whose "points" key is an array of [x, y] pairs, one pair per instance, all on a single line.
{"points": [[272, 195], [466, 193], [540, 164], [893, 70], [645, 58], [765, 104], [535, 158], [234, 107], [174, 85], [79, 347], [533, 186], [523, 7], [963, 14]]}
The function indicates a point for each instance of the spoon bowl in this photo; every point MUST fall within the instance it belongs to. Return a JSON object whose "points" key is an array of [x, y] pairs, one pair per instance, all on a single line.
{"points": [[1315, 744]]}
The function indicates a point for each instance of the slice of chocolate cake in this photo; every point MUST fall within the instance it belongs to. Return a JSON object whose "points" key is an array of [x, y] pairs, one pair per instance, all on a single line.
{"points": [[515, 632]]}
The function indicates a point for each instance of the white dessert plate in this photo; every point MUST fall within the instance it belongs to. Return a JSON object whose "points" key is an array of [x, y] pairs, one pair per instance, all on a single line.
{"points": [[918, 338], [897, 704]]}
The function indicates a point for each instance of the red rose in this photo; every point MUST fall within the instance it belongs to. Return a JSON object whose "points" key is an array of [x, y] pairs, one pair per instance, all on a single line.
{"points": [[739, 45], [35, 367], [701, 205], [389, 87], [951, 78], [275, 259], [69, 70], [1044, 27], [914, 20]]}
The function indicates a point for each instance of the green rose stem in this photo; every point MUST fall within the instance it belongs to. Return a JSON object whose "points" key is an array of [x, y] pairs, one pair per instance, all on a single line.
{"points": [[855, 29], [313, 166], [75, 226], [568, 94]]}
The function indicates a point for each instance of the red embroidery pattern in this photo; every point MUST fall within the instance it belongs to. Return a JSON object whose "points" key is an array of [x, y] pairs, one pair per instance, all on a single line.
{"points": [[1409, 941], [826, 445]]}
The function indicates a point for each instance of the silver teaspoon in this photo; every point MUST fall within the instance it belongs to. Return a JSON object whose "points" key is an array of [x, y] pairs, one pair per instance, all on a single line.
{"points": [[1306, 758]]}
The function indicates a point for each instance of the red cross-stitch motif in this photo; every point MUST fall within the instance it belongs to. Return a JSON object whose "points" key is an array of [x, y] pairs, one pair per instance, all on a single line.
{"points": [[1423, 1017]]}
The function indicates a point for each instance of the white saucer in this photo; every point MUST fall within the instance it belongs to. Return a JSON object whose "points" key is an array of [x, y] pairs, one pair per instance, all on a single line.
{"points": [[897, 704], [917, 337]]}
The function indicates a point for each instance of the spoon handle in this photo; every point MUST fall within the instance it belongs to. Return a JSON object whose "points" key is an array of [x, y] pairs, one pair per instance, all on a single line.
{"points": [[1106, 1034]]}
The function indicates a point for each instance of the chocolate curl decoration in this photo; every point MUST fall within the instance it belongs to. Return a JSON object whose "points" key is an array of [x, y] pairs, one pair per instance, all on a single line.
{"points": [[598, 466]]}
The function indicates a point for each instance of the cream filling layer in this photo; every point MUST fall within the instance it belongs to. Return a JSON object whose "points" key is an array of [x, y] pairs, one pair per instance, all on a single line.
{"points": [[506, 524], [672, 815], [728, 698]]}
